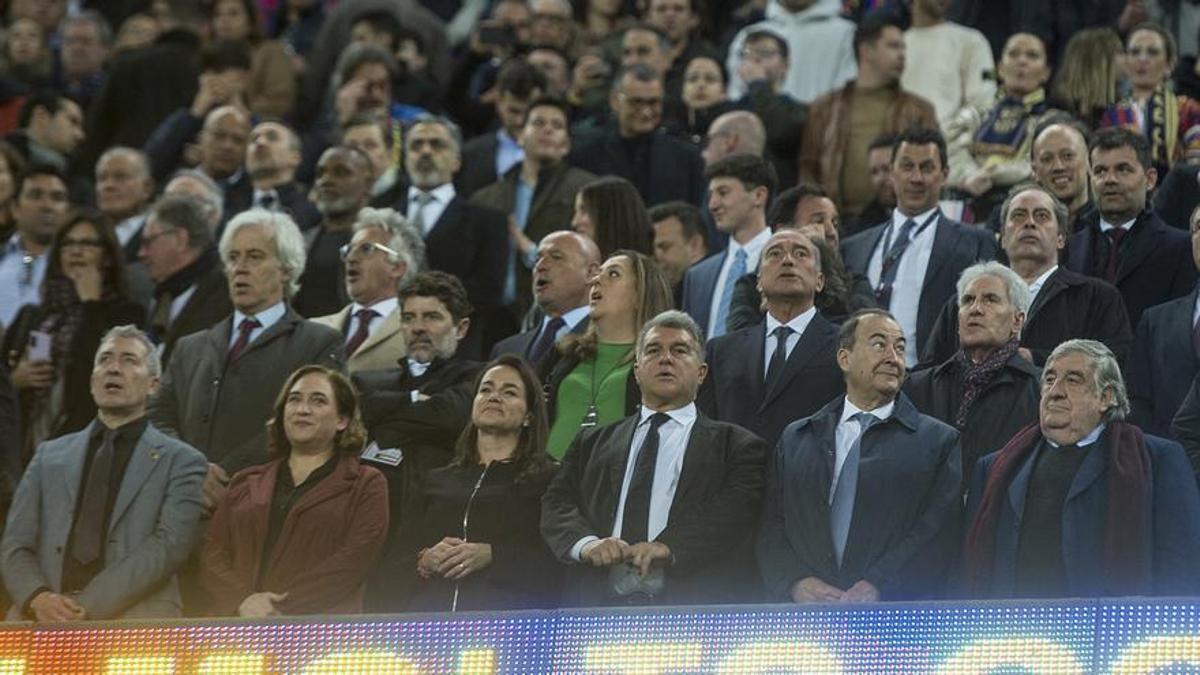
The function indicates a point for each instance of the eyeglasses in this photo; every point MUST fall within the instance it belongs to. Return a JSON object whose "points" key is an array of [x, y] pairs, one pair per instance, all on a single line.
{"points": [[82, 243], [364, 249], [149, 239]]}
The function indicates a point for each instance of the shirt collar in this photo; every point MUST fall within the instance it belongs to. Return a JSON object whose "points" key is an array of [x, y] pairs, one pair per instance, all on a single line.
{"points": [[383, 307], [685, 415], [416, 368], [507, 141], [1041, 280], [571, 317], [1105, 226], [899, 218], [442, 194], [753, 248], [268, 317], [1092, 437], [850, 410], [130, 431], [797, 324]]}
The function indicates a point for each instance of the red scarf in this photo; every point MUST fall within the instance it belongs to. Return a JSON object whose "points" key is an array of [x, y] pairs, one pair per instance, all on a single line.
{"points": [[1125, 539]]}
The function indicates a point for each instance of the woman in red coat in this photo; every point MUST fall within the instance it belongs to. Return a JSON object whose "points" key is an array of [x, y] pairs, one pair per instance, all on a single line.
{"points": [[299, 535]]}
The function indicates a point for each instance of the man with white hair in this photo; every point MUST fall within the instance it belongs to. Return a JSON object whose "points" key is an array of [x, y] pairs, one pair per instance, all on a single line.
{"points": [[124, 189], [221, 384], [987, 390], [384, 252], [1083, 504]]}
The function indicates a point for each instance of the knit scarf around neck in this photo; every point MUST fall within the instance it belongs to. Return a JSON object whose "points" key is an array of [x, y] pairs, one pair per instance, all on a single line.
{"points": [[977, 376]]}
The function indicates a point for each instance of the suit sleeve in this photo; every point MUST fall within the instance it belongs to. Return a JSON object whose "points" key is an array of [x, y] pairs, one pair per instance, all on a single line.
{"points": [[778, 563], [154, 560], [563, 521], [164, 406], [19, 546], [1176, 523]]}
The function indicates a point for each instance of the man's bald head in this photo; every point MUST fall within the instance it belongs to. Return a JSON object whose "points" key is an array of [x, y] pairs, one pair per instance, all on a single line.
{"points": [[223, 141], [566, 261], [737, 132]]}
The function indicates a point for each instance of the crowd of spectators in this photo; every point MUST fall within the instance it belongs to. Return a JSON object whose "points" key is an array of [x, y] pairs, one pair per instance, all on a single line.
{"points": [[340, 306]]}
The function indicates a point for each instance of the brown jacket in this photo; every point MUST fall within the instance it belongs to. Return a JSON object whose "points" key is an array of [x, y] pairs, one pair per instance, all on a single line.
{"points": [[828, 133], [329, 542]]}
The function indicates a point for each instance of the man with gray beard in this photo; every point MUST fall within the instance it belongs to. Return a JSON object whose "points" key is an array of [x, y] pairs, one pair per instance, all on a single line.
{"points": [[343, 186]]}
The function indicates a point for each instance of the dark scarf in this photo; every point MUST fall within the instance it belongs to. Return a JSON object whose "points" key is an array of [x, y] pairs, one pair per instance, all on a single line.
{"points": [[186, 277], [977, 376], [1125, 536], [1005, 129]]}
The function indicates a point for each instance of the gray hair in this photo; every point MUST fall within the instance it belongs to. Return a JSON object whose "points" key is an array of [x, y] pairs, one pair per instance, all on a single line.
{"points": [[153, 362], [214, 199], [187, 213], [403, 238], [139, 158], [1018, 290], [1106, 373], [103, 28], [673, 318], [429, 118], [356, 55], [1062, 215], [289, 243]]}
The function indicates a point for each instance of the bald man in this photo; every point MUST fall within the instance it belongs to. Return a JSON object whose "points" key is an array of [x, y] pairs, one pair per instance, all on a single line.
{"points": [[272, 157], [734, 133], [123, 192]]}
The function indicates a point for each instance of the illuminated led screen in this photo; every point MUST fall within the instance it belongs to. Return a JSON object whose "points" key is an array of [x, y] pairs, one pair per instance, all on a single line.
{"points": [[1127, 637]]}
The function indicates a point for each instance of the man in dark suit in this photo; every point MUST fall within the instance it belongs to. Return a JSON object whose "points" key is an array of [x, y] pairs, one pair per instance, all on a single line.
{"points": [[190, 290], [488, 157], [1178, 194], [662, 167], [566, 263], [1124, 243], [659, 507], [872, 456], [124, 190], [1166, 355], [1066, 304], [770, 374], [468, 241], [914, 260], [104, 517], [272, 156]]}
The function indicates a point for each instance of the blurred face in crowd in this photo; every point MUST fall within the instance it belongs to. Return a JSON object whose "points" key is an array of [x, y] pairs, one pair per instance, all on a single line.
{"points": [[310, 413], [733, 206], [638, 106], [674, 252], [987, 319], [499, 405], [613, 290], [512, 109], [223, 142], [1023, 68], [874, 365], [255, 272], [554, 67], [918, 176], [544, 135], [164, 249], [885, 56], [369, 138], [703, 84], [82, 249], [274, 151], [516, 15], [1120, 183], [550, 23], [644, 47], [343, 184], [61, 131], [818, 217], [123, 187], [1031, 232], [45, 13], [669, 369], [790, 270], [879, 161], [432, 156], [566, 262], [1060, 164], [1071, 403], [1146, 60], [41, 207], [767, 53], [376, 92], [83, 53], [371, 275], [363, 32], [121, 382], [139, 30], [429, 329], [25, 42], [673, 17], [230, 20]]}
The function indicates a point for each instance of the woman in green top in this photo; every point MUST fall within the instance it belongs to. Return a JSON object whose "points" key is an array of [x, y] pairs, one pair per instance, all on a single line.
{"points": [[591, 381]]}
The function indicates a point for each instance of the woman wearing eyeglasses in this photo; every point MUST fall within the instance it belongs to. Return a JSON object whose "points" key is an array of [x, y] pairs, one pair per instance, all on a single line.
{"points": [[50, 346]]}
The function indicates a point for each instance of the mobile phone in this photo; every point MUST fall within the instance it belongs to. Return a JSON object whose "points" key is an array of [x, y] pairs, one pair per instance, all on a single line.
{"points": [[498, 36], [39, 346]]}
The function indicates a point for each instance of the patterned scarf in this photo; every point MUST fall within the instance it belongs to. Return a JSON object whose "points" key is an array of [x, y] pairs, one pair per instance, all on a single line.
{"points": [[977, 376], [1161, 123], [1005, 129]]}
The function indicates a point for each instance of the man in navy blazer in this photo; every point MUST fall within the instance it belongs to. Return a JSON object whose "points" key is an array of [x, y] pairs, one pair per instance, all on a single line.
{"points": [[863, 497], [1126, 244], [750, 381], [1083, 504], [913, 261]]}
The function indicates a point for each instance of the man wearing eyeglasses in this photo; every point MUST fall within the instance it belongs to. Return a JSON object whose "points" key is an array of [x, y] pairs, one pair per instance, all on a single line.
{"points": [[39, 211]]}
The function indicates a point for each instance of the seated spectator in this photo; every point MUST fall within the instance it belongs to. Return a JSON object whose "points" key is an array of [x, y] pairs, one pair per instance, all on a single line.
{"points": [[49, 343], [40, 209], [659, 507], [488, 157], [325, 515], [702, 98], [590, 380], [272, 156], [1062, 165], [764, 67], [68, 553], [610, 212], [988, 391], [1083, 504], [271, 88], [680, 241], [490, 556], [27, 57], [384, 252]]}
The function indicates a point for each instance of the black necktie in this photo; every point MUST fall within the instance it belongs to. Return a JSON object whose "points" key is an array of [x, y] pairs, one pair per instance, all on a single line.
{"points": [[90, 529], [779, 358], [545, 341], [635, 522]]}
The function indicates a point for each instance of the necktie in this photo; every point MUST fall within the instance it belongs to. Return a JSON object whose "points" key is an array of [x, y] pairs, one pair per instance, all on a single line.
{"points": [[891, 263], [635, 522], [1115, 236], [90, 529], [779, 358], [364, 329], [545, 341], [736, 271], [161, 321], [842, 508], [422, 200], [245, 328]]}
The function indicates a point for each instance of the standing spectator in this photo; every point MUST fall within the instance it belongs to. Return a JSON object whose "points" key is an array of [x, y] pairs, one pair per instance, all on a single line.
{"points": [[87, 39], [271, 90], [1089, 74], [879, 165], [489, 156], [272, 156], [679, 242], [680, 21], [701, 100], [1061, 164], [39, 210], [373, 134], [738, 132], [765, 62]]}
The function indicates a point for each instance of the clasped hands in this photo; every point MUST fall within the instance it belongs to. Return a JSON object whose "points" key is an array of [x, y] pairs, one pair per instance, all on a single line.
{"points": [[812, 589], [612, 550], [453, 558]]}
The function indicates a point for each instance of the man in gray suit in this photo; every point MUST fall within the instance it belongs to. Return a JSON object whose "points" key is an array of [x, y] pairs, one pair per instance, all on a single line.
{"points": [[221, 384], [105, 516]]}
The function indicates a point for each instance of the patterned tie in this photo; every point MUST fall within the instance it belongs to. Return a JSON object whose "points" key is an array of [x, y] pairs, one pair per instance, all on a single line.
{"points": [[365, 316], [842, 507], [736, 271], [245, 328], [1115, 236], [891, 263], [538, 350], [418, 213], [779, 358], [635, 522], [90, 529]]}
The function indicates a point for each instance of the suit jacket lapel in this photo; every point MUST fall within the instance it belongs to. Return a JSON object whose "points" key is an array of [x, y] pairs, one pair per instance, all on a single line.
{"points": [[945, 239], [141, 463], [802, 353], [1144, 243], [622, 440], [1178, 338], [753, 345], [1093, 466], [449, 215], [71, 466], [389, 327], [1053, 286], [280, 327], [700, 444]]}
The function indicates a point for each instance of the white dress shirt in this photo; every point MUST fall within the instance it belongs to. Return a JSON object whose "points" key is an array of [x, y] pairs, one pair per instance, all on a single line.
{"points": [[383, 308], [753, 249], [20, 278], [910, 274], [798, 324], [266, 318], [673, 438], [571, 319], [432, 212], [1092, 437], [126, 229], [1036, 286], [848, 431]]}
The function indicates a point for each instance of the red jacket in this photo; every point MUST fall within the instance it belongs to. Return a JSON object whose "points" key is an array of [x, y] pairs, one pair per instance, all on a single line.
{"points": [[329, 542]]}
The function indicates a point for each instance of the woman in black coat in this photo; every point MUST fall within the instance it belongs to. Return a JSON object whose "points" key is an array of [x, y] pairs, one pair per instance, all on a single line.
{"points": [[477, 524]]}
